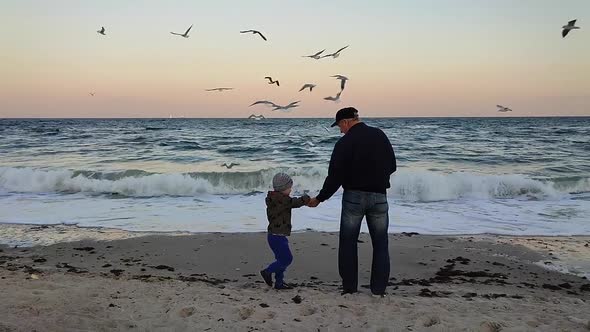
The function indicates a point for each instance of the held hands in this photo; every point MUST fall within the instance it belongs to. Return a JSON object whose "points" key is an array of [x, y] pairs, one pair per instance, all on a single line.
{"points": [[313, 202]]}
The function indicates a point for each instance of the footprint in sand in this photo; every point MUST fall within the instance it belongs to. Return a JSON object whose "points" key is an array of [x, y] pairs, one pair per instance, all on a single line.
{"points": [[308, 311], [186, 312], [488, 326], [428, 321], [245, 313]]}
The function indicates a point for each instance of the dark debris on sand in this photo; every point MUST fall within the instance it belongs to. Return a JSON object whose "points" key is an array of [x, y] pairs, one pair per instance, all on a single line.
{"points": [[163, 267], [84, 248], [71, 269]]}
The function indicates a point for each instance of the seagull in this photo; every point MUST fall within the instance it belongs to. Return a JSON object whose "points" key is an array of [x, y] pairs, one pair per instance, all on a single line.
{"points": [[315, 56], [570, 26], [286, 107], [256, 117], [254, 32], [219, 89], [307, 85], [230, 165], [342, 79], [101, 31], [271, 81], [265, 102], [337, 98], [185, 35], [335, 54], [503, 109], [92, 94]]}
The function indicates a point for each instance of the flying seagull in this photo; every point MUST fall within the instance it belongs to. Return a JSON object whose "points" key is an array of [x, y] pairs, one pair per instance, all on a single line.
{"points": [[101, 31], [335, 54], [570, 26], [256, 117], [219, 89], [286, 107], [315, 56], [503, 109], [185, 35], [270, 81], [92, 94], [307, 85], [265, 102], [342, 79], [254, 32], [230, 165], [337, 98]]}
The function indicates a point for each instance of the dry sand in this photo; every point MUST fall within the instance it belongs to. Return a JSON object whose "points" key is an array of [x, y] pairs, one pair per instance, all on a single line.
{"points": [[210, 282]]}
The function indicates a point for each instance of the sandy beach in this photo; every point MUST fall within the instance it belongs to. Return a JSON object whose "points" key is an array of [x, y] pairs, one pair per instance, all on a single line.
{"points": [[210, 282]]}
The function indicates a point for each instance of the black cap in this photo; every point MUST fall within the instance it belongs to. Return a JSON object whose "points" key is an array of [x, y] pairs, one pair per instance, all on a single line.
{"points": [[345, 113]]}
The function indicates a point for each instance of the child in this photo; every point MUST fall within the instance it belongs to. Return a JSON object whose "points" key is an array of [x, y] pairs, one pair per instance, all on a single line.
{"points": [[278, 211]]}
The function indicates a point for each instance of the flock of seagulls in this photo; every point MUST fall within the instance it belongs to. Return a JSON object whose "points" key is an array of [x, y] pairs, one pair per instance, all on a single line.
{"points": [[275, 107], [571, 25], [310, 86]]}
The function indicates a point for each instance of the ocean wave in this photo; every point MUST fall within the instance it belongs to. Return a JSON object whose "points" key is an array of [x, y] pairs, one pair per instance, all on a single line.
{"points": [[407, 184]]}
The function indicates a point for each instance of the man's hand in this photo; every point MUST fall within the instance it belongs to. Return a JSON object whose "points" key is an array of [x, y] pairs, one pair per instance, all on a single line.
{"points": [[313, 202]]}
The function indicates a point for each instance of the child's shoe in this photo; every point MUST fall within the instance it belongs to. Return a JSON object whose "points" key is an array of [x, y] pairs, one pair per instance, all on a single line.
{"points": [[283, 286], [267, 276]]}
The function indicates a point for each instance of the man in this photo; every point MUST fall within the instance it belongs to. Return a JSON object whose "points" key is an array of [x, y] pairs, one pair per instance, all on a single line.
{"points": [[362, 162]]}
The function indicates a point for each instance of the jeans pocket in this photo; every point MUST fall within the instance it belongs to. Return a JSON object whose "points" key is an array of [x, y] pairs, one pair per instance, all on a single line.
{"points": [[352, 197], [381, 207]]}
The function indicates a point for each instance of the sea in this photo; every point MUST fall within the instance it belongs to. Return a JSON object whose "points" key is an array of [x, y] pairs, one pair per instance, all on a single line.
{"points": [[513, 176]]}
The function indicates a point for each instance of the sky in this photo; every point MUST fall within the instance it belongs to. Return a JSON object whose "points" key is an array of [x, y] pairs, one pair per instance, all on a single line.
{"points": [[418, 58]]}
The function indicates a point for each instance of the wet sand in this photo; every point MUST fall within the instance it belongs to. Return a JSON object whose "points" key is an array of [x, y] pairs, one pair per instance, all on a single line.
{"points": [[211, 282]]}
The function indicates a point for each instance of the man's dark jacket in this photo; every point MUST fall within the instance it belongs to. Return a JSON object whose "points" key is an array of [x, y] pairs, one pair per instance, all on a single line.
{"points": [[363, 160]]}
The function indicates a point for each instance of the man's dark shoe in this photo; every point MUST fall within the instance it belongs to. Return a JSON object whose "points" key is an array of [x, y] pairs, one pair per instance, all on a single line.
{"points": [[283, 286], [267, 276], [348, 291]]}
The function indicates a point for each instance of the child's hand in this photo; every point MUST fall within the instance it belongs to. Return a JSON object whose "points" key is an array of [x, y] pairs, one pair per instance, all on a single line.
{"points": [[305, 199], [313, 202]]}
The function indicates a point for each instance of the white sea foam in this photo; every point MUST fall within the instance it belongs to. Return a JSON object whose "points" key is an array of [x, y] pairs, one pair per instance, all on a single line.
{"points": [[407, 184]]}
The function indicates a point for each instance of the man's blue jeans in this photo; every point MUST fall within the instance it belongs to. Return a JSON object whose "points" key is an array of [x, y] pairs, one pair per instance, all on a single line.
{"points": [[280, 247], [355, 206]]}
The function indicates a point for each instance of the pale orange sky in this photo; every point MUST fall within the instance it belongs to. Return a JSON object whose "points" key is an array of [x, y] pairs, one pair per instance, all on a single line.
{"points": [[406, 58]]}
